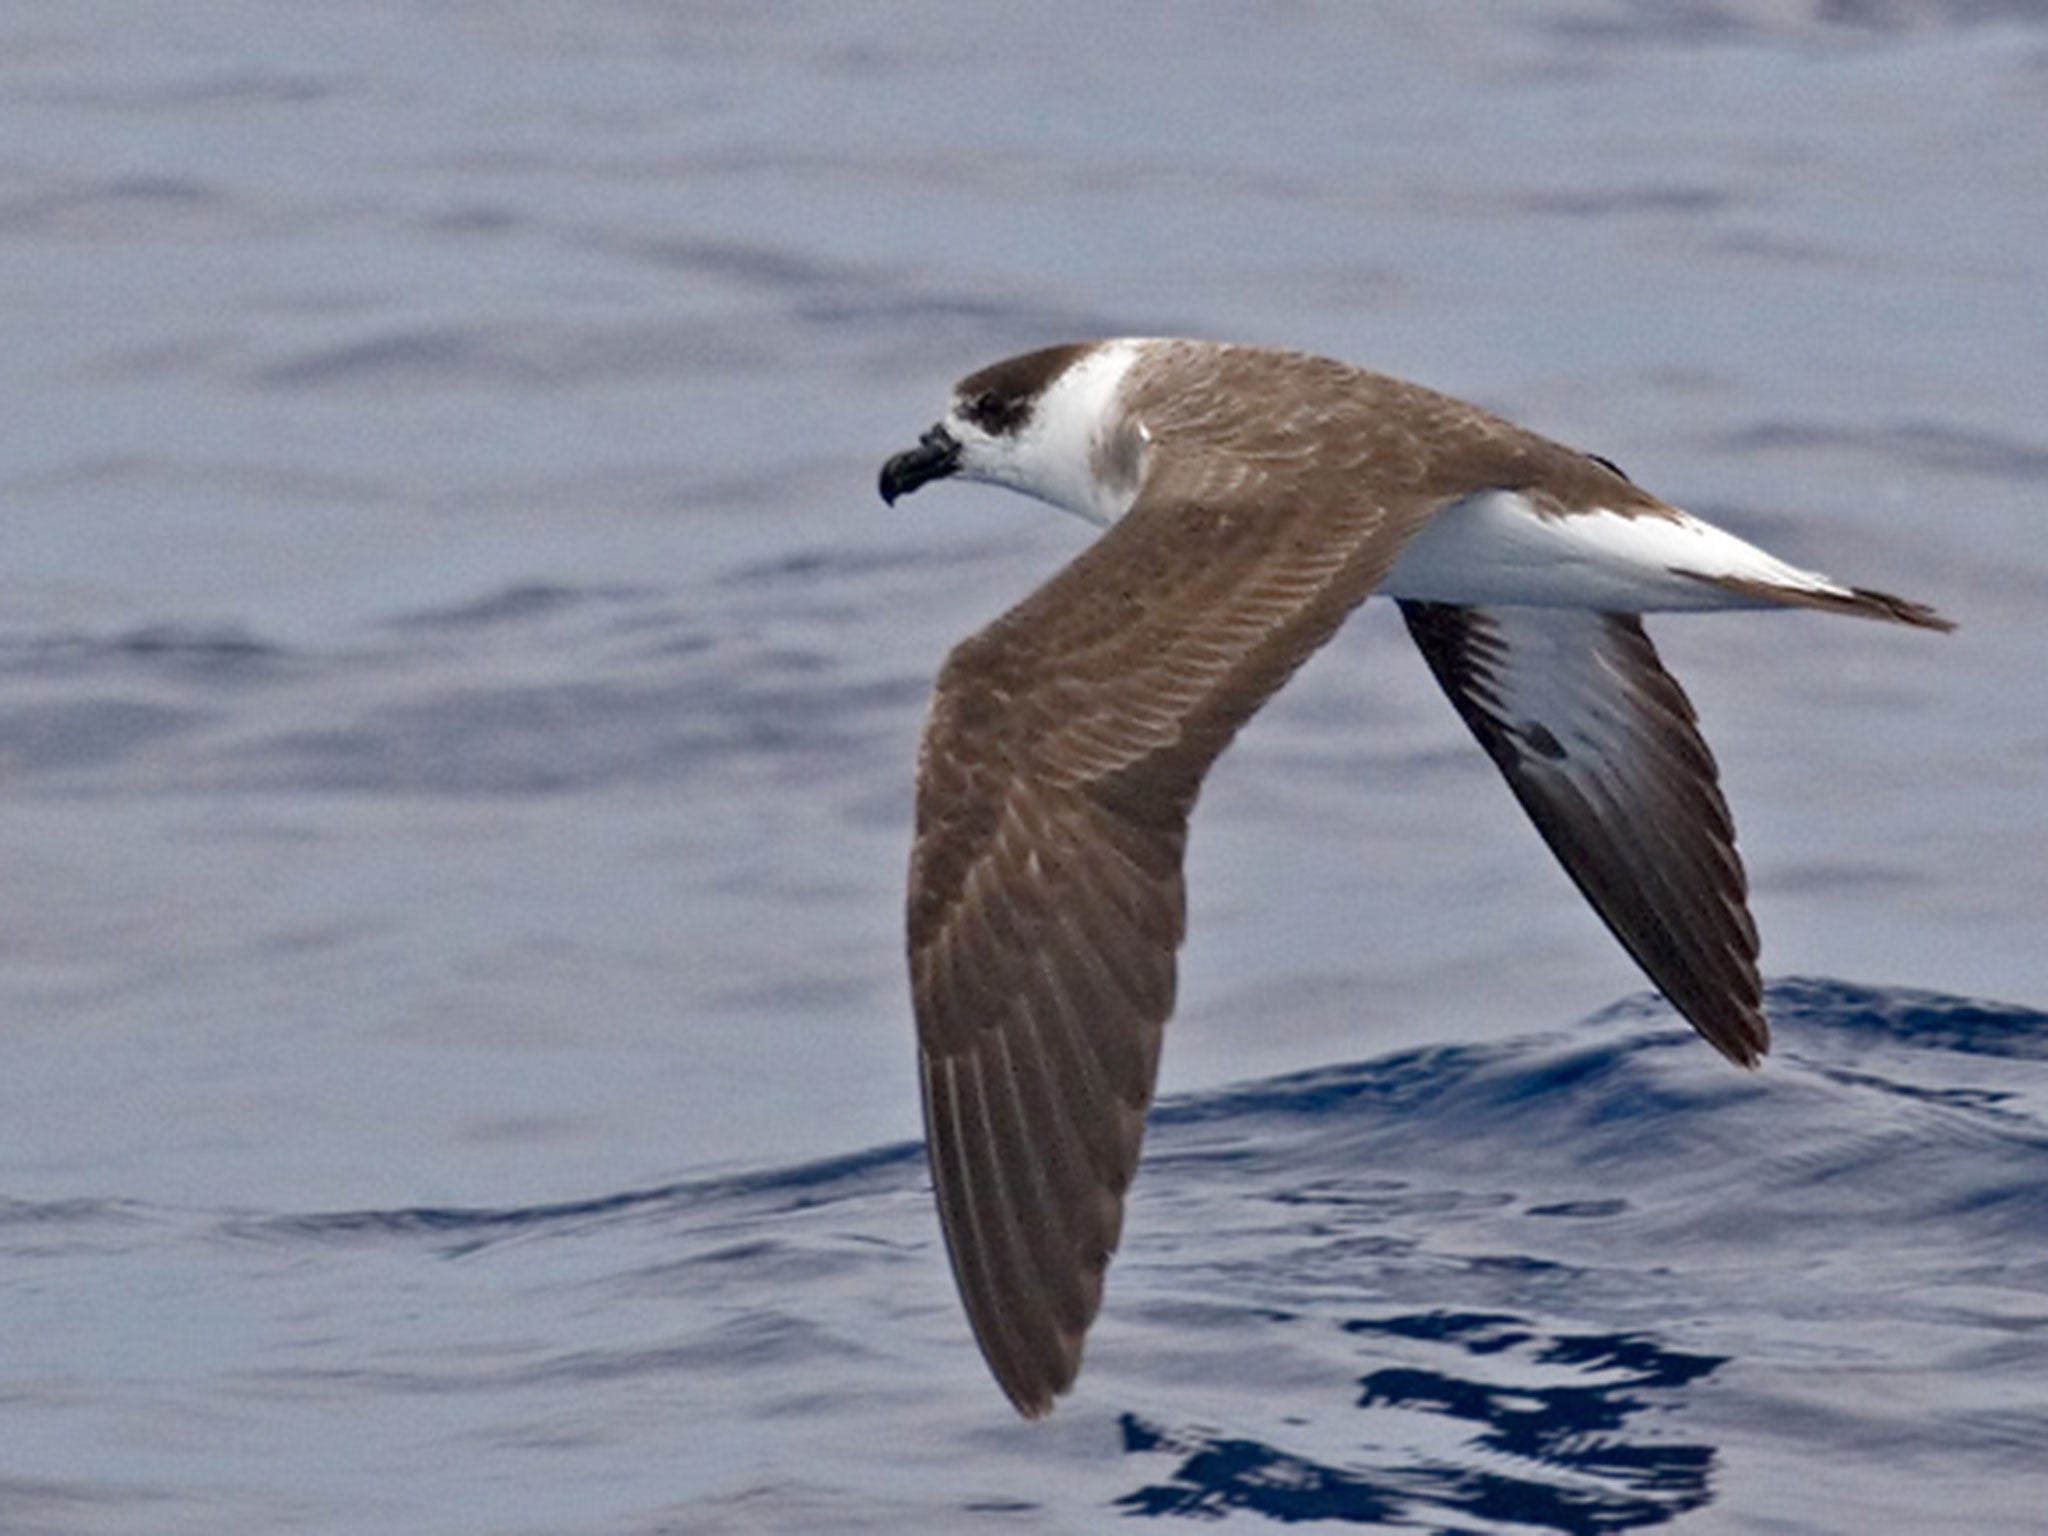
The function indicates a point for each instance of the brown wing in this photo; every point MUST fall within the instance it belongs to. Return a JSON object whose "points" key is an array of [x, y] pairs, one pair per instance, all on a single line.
{"points": [[1600, 745], [1065, 748]]}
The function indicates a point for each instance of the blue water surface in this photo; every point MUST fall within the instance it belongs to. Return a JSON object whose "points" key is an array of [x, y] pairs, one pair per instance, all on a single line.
{"points": [[1590, 1281], [459, 692]]}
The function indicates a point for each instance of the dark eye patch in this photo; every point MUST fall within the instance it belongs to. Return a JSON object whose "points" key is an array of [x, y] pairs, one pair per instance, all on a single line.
{"points": [[996, 413], [1001, 397]]}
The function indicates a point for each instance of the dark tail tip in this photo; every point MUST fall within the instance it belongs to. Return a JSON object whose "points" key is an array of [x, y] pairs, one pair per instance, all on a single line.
{"points": [[1901, 610]]}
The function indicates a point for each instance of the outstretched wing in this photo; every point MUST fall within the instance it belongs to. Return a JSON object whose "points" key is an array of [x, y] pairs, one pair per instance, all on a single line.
{"points": [[1065, 748], [1601, 746]]}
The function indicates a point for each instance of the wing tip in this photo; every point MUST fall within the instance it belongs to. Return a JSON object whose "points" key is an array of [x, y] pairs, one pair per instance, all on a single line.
{"points": [[1032, 1403], [1035, 1392], [1746, 1056], [1741, 1032]]}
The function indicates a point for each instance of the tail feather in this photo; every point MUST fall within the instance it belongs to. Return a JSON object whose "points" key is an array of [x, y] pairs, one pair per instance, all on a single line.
{"points": [[1861, 601]]}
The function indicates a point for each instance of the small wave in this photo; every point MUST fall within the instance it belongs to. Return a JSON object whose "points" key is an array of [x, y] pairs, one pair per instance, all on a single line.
{"points": [[521, 604], [1578, 1282], [216, 650], [772, 1191]]}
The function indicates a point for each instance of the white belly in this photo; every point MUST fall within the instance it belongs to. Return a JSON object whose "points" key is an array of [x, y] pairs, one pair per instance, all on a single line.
{"points": [[1495, 548]]}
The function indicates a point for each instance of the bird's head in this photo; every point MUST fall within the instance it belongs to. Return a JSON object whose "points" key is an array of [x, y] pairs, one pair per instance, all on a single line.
{"points": [[1048, 423]]}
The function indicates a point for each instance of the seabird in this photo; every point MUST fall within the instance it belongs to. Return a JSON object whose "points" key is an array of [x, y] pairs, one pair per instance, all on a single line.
{"points": [[1251, 499]]}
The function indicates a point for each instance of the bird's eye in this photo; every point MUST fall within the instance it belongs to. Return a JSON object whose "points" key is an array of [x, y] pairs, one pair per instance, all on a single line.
{"points": [[995, 411]]}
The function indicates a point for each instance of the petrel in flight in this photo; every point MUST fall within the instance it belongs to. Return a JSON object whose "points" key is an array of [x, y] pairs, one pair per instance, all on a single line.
{"points": [[1250, 499]]}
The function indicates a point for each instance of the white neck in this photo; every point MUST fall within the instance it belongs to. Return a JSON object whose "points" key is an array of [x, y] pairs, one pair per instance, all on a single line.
{"points": [[1066, 455]]}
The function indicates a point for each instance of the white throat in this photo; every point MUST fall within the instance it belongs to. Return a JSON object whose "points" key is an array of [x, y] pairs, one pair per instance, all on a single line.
{"points": [[1079, 451]]}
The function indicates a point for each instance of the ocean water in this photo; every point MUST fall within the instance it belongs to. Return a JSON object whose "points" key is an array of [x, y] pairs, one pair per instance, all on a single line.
{"points": [[458, 691]]}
